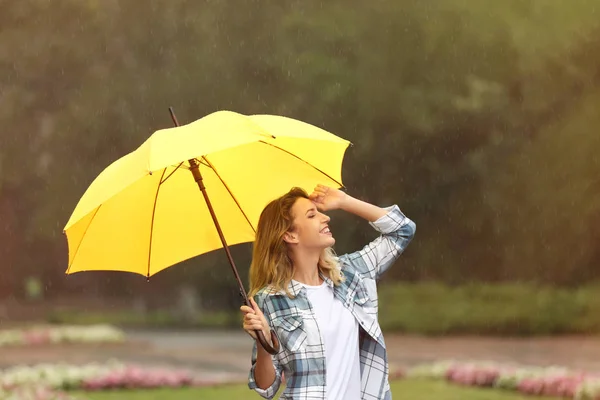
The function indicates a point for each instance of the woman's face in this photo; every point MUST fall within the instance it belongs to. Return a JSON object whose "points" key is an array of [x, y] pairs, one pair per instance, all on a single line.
{"points": [[310, 229]]}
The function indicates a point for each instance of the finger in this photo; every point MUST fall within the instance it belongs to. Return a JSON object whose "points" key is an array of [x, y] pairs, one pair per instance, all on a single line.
{"points": [[314, 195], [255, 307], [249, 324], [256, 322], [252, 318], [319, 203], [321, 189], [253, 327], [246, 309], [253, 321]]}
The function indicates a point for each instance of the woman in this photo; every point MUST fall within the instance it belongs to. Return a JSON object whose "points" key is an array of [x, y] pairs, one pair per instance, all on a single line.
{"points": [[323, 308]]}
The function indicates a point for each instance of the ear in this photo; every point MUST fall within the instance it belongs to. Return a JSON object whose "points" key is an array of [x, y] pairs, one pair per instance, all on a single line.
{"points": [[290, 237]]}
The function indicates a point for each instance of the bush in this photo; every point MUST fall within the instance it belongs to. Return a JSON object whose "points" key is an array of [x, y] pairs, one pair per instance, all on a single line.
{"points": [[154, 320], [499, 309], [421, 308]]}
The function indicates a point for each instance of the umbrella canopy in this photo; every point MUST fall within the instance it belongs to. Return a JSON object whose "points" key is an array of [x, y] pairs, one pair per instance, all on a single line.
{"points": [[144, 212]]}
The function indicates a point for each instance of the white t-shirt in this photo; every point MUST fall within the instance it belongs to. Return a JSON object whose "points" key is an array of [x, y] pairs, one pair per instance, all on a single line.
{"points": [[339, 330]]}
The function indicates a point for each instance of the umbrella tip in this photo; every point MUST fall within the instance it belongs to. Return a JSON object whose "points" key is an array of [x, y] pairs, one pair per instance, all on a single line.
{"points": [[148, 278]]}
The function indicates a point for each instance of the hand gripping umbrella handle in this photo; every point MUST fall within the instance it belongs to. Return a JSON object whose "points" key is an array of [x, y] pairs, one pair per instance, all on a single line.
{"points": [[274, 349]]}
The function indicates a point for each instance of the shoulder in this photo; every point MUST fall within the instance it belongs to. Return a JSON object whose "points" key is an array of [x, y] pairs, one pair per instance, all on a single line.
{"points": [[266, 292], [345, 262], [274, 303], [271, 297], [262, 296]]}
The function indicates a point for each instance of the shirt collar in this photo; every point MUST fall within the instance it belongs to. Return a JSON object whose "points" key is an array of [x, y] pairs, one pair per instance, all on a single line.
{"points": [[296, 288]]}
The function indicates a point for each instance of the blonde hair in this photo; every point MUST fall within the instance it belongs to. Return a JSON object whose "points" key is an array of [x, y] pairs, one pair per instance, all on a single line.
{"points": [[271, 265]]}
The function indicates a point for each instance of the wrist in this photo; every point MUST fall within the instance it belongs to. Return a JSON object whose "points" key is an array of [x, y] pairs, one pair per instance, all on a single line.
{"points": [[267, 334], [346, 203], [363, 209], [261, 350]]}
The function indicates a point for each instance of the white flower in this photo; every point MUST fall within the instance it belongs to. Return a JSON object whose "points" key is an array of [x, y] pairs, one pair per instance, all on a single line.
{"points": [[61, 334]]}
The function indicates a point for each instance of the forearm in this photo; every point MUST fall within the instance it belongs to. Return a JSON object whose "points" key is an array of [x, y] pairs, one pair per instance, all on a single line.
{"points": [[396, 232], [362, 209], [264, 371]]}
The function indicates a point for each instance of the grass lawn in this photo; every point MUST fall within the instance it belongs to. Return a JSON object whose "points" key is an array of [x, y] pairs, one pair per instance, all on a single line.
{"points": [[408, 389]]}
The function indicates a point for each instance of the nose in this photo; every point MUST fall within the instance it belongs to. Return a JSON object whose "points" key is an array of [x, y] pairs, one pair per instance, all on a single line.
{"points": [[325, 217]]}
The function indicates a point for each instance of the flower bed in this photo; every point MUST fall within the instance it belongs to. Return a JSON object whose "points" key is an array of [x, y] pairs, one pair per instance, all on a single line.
{"points": [[92, 377], [549, 381], [45, 381], [61, 334], [34, 393], [135, 377]]}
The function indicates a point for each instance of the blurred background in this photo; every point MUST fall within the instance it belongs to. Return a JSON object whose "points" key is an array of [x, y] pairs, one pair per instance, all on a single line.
{"points": [[479, 119]]}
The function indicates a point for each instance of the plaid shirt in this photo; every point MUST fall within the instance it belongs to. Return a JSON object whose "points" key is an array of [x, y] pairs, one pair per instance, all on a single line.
{"points": [[302, 354]]}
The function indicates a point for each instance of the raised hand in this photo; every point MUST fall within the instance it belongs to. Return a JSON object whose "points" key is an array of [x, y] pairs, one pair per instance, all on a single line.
{"points": [[327, 198]]}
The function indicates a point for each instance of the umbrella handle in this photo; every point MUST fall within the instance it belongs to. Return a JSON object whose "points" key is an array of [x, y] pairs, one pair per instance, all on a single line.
{"points": [[259, 333], [263, 342]]}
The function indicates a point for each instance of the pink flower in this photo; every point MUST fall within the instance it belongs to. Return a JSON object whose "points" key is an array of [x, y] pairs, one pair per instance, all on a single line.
{"points": [[568, 388], [531, 386], [34, 337]]}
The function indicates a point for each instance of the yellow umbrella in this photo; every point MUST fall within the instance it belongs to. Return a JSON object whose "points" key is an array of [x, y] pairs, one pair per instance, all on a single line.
{"points": [[144, 212]]}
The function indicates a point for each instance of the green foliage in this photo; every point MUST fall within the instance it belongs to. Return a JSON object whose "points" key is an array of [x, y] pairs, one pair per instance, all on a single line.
{"points": [[513, 309], [548, 200], [478, 121], [160, 319], [509, 309]]}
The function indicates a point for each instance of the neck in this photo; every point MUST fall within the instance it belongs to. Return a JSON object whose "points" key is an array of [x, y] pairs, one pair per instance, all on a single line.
{"points": [[306, 269]]}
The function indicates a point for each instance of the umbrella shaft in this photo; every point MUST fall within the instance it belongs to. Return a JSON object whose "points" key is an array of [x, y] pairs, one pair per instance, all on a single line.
{"points": [[195, 169]]}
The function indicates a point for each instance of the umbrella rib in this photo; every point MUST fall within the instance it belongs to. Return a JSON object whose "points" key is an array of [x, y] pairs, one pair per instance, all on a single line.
{"points": [[304, 161], [180, 166], [83, 237], [230, 192], [160, 181], [168, 176]]}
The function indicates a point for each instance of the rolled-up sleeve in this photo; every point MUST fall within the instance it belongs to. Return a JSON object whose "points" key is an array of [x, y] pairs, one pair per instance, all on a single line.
{"points": [[375, 258], [271, 391]]}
